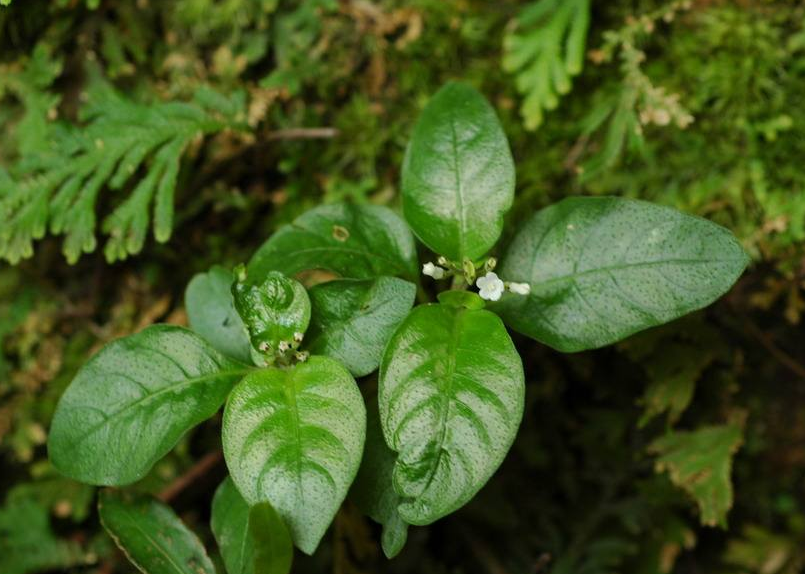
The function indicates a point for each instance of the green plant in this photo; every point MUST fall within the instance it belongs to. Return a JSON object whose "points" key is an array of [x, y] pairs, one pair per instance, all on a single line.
{"points": [[581, 274]]}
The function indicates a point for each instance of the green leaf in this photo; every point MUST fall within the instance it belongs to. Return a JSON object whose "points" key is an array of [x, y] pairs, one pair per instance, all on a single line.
{"points": [[151, 536], [28, 543], [294, 437], [458, 174], [252, 540], [700, 463], [274, 308], [603, 268], [61, 184], [451, 398], [229, 522], [352, 320], [131, 403], [273, 552], [545, 49], [211, 313], [373, 491], [354, 241]]}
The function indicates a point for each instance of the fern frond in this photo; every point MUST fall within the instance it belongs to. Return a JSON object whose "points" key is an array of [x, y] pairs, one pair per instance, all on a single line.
{"points": [[544, 50], [61, 187]]}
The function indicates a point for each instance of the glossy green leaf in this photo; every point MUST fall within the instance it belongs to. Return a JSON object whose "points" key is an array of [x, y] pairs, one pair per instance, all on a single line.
{"points": [[352, 320], [603, 268], [273, 548], [275, 308], [211, 313], [294, 437], [252, 540], [458, 174], [151, 536], [131, 403], [451, 398], [353, 241], [373, 490], [700, 462]]}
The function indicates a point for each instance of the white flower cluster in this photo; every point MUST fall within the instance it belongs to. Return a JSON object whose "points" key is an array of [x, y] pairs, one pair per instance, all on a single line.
{"points": [[432, 270]]}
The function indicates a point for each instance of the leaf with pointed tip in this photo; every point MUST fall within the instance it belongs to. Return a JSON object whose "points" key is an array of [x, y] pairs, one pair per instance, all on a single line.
{"points": [[151, 536], [458, 174], [211, 313], [294, 437], [373, 491], [353, 241], [451, 397], [131, 403], [352, 320], [252, 540], [603, 268], [275, 308]]}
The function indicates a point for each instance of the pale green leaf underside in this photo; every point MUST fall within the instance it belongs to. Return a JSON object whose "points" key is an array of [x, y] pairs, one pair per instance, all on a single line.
{"points": [[151, 535], [601, 269], [211, 313], [294, 437], [373, 491], [131, 403], [451, 398], [458, 174], [353, 241], [352, 320]]}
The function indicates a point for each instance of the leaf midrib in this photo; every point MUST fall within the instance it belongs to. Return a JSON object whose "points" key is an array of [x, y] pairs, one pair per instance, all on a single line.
{"points": [[146, 398], [611, 268]]}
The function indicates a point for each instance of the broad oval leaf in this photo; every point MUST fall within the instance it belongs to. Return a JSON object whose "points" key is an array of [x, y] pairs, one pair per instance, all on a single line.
{"points": [[211, 313], [131, 403], [373, 490], [252, 540], [352, 320], [451, 398], [458, 174], [353, 241], [294, 437], [275, 309], [603, 268], [151, 536]]}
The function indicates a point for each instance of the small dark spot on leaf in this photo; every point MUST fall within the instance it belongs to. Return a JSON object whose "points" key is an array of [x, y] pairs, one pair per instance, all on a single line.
{"points": [[340, 233]]}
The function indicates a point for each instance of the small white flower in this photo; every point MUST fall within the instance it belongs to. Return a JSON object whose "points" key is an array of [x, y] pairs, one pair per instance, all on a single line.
{"points": [[297, 337], [490, 287], [520, 288], [432, 270], [263, 346], [284, 346]]}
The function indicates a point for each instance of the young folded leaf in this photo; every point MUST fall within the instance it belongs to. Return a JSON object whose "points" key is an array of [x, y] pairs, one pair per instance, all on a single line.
{"points": [[354, 241], [275, 309], [458, 174], [294, 437], [603, 268], [131, 403], [252, 540], [352, 320], [451, 398], [151, 536], [211, 313]]}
